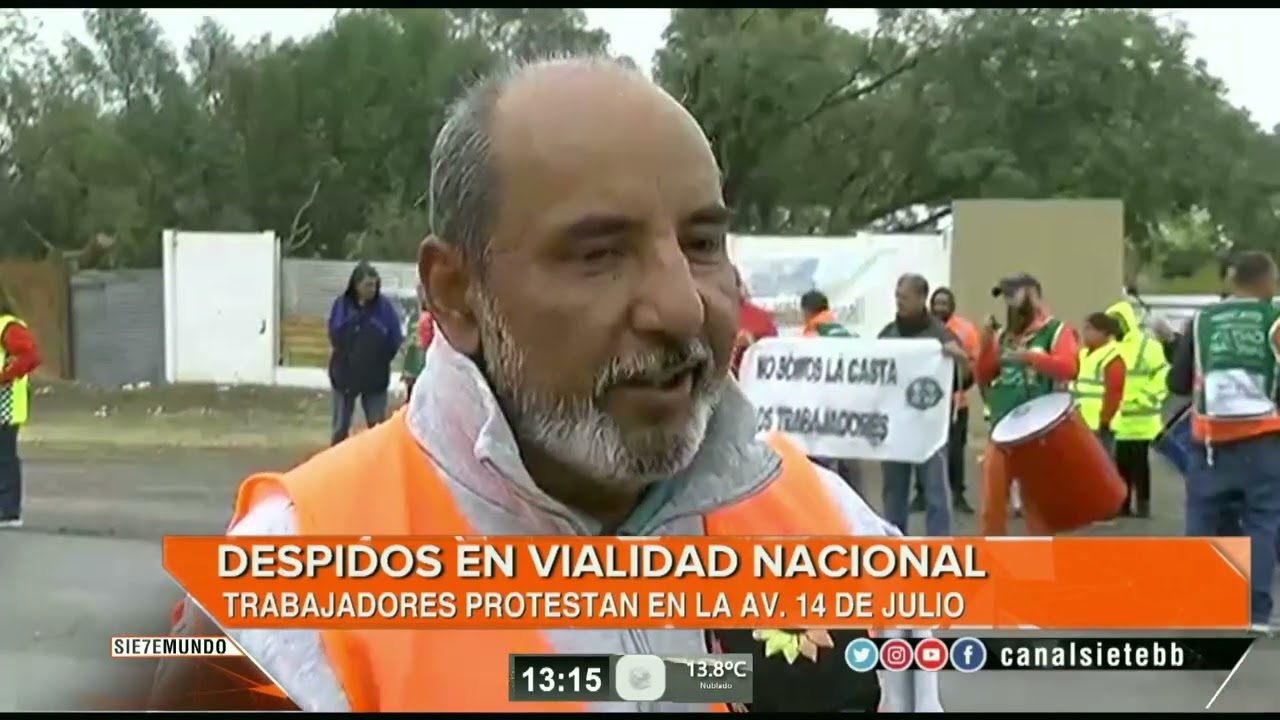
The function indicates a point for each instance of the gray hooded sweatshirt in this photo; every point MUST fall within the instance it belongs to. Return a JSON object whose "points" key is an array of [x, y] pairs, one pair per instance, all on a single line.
{"points": [[457, 422]]}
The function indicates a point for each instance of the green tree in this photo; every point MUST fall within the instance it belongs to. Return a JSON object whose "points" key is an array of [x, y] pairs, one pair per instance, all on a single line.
{"points": [[885, 127], [529, 33], [323, 139]]}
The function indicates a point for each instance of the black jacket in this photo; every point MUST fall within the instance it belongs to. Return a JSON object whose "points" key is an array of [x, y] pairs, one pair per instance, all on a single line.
{"points": [[364, 338], [939, 331], [1181, 352]]}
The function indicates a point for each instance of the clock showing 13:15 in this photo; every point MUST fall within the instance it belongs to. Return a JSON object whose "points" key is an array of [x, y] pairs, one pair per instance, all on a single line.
{"points": [[583, 678]]}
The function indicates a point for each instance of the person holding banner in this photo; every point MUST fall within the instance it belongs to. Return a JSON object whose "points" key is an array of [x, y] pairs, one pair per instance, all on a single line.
{"points": [[1032, 355], [1228, 364], [914, 320], [578, 385]]}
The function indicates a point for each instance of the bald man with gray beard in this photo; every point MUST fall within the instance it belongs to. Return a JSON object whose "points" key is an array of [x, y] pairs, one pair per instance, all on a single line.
{"points": [[578, 385]]}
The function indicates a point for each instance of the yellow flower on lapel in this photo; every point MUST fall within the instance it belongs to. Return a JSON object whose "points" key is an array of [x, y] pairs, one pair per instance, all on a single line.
{"points": [[794, 643]]}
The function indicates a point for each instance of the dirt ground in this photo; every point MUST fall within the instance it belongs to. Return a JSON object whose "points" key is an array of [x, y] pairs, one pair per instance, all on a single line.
{"points": [[68, 415], [102, 491]]}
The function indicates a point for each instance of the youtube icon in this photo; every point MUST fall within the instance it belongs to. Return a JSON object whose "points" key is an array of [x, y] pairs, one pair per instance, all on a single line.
{"points": [[931, 654]]}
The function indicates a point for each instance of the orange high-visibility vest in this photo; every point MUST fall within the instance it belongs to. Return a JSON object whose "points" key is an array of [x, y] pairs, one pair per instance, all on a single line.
{"points": [[967, 332], [466, 670]]}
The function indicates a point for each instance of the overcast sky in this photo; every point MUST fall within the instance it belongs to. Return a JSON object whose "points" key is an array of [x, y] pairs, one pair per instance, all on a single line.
{"points": [[1239, 44]]}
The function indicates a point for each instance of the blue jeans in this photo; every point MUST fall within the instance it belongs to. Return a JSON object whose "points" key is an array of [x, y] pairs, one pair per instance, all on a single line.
{"points": [[932, 476], [373, 404], [1240, 490]]}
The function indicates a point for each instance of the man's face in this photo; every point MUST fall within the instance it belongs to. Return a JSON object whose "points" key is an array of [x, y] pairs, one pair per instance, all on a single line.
{"points": [[910, 302], [608, 309], [1020, 306], [366, 288], [943, 306]]}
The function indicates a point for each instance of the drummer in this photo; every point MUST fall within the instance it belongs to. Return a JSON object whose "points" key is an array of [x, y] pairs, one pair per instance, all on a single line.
{"points": [[1035, 354]]}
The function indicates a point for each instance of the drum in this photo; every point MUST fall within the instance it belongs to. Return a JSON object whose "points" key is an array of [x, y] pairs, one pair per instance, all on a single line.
{"points": [[1174, 441], [1064, 472]]}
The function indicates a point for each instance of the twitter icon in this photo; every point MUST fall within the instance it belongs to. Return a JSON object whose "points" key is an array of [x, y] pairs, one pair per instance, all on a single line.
{"points": [[862, 655]]}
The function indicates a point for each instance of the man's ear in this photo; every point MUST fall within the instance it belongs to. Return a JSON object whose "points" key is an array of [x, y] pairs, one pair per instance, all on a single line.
{"points": [[446, 278]]}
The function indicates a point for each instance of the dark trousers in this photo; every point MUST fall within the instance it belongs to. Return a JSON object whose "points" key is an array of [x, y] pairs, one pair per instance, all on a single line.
{"points": [[1238, 490], [373, 404], [10, 474], [957, 442], [1134, 463], [956, 445]]}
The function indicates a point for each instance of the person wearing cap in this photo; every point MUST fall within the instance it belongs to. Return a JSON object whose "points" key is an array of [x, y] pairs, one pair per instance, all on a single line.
{"points": [[1031, 355]]}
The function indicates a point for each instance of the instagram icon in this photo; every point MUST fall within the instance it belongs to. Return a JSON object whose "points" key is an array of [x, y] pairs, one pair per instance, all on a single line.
{"points": [[896, 655]]}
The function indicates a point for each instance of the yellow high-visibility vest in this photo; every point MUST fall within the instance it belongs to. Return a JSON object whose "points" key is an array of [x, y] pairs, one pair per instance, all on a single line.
{"points": [[1144, 383], [1089, 388], [1144, 390], [15, 395]]}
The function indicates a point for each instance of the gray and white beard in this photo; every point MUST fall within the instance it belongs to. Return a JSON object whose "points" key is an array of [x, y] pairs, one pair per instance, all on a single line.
{"points": [[577, 431]]}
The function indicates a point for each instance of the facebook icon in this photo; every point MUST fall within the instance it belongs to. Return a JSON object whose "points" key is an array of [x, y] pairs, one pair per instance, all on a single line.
{"points": [[968, 654]]}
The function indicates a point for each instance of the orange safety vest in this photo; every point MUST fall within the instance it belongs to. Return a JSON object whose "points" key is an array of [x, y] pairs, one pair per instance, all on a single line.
{"points": [[967, 333], [466, 670]]}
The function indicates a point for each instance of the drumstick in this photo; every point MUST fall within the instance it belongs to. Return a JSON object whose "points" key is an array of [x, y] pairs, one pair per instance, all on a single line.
{"points": [[1177, 418]]}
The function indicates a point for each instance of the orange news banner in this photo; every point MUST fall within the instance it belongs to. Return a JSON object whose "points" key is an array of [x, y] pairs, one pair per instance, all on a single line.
{"points": [[827, 582]]}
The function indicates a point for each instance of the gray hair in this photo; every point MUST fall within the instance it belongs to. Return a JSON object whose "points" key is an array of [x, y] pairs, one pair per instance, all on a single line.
{"points": [[463, 189], [916, 282]]}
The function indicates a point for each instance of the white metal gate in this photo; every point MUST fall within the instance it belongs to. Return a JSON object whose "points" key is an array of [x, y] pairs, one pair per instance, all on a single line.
{"points": [[221, 307]]}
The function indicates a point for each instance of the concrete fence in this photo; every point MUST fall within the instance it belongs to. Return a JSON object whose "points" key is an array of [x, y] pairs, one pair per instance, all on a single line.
{"points": [[117, 327], [116, 318]]}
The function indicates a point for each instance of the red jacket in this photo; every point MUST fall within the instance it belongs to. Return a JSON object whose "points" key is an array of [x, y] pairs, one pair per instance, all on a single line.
{"points": [[754, 322], [1112, 390], [22, 356]]}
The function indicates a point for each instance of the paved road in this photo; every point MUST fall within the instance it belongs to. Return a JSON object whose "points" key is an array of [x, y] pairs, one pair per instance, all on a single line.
{"points": [[88, 568]]}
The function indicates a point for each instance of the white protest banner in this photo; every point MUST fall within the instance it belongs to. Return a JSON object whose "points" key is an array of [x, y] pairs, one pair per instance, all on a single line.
{"points": [[858, 274], [852, 397]]}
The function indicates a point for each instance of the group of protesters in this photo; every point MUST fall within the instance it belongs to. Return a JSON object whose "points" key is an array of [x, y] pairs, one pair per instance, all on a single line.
{"points": [[1121, 371]]}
